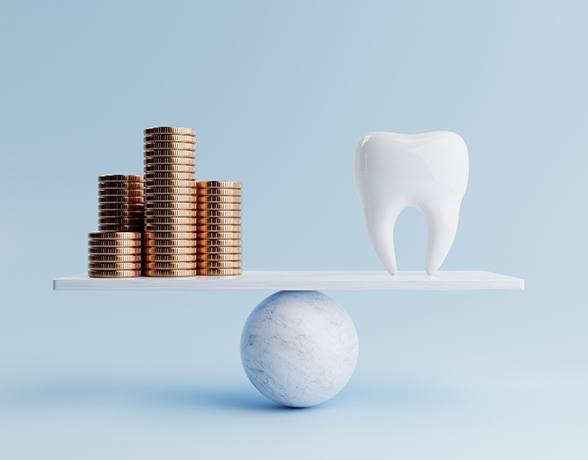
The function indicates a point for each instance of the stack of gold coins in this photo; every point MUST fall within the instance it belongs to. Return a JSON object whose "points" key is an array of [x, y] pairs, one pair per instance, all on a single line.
{"points": [[170, 195], [120, 203], [218, 206], [114, 254]]}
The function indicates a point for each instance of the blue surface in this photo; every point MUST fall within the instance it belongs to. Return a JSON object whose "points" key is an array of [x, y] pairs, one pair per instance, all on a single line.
{"points": [[280, 94]]}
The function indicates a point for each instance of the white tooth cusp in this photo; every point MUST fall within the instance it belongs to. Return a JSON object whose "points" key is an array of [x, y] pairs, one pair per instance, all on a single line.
{"points": [[428, 171]]}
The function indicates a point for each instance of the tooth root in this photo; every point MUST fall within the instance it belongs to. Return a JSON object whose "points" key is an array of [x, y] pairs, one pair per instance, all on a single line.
{"points": [[442, 218], [380, 224]]}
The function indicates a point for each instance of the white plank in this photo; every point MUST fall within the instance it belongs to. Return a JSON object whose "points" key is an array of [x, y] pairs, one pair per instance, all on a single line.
{"points": [[306, 280]]}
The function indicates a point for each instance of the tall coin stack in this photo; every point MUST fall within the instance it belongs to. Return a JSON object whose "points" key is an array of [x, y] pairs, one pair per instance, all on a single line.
{"points": [[218, 205], [170, 196], [115, 250]]}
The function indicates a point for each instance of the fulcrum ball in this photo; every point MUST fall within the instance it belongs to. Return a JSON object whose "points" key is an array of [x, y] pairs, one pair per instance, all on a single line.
{"points": [[299, 348]]}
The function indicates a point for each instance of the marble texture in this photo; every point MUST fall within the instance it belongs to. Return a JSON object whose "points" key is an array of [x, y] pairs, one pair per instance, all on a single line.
{"points": [[299, 348]]}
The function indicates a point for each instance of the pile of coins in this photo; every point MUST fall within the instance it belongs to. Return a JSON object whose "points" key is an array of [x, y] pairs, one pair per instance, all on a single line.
{"points": [[218, 205], [120, 203], [115, 250], [114, 254], [170, 197]]}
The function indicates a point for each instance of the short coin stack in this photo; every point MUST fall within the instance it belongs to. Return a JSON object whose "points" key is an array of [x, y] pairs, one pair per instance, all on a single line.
{"points": [[170, 196], [120, 203], [115, 250], [218, 206], [114, 254]]}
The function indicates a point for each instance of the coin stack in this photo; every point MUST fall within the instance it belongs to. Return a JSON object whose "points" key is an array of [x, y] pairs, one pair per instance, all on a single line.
{"points": [[170, 196], [115, 250], [114, 254], [120, 203], [218, 206]]}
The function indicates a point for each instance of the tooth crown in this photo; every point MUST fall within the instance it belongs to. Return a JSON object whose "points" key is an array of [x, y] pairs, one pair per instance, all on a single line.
{"points": [[427, 170]]}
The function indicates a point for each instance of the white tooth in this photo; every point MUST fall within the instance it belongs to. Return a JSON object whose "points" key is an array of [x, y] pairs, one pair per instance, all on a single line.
{"points": [[395, 171]]}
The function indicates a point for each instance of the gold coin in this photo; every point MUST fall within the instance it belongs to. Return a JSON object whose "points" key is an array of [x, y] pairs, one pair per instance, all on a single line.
{"points": [[114, 250], [169, 273], [121, 220], [131, 193], [205, 257], [208, 244], [169, 183], [106, 199], [219, 235], [126, 186], [219, 191], [159, 168], [152, 200], [210, 206], [170, 213], [155, 205], [132, 258], [170, 265], [150, 145], [134, 226], [153, 155], [218, 184], [175, 220], [135, 218], [169, 236], [115, 209], [213, 250], [170, 250], [218, 220], [107, 240], [169, 175], [206, 228], [114, 273], [170, 138], [172, 243], [158, 228], [219, 264], [170, 156], [171, 258], [121, 227], [126, 220], [222, 213], [119, 178], [160, 190], [121, 206], [169, 130], [219, 271], [218, 199], [115, 235], [169, 160], [114, 265], [117, 243], [121, 213]]}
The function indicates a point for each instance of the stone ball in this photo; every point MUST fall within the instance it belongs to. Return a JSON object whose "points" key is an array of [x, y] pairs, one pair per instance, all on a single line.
{"points": [[299, 348]]}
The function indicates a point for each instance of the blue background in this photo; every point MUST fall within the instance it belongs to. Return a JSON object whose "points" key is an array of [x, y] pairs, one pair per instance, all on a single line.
{"points": [[280, 93]]}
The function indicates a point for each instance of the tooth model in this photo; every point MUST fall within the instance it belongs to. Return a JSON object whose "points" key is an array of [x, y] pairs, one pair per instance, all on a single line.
{"points": [[396, 171]]}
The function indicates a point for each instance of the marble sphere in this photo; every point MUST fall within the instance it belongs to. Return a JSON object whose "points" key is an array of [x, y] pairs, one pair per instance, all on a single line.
{"points": [[299, 348]]}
